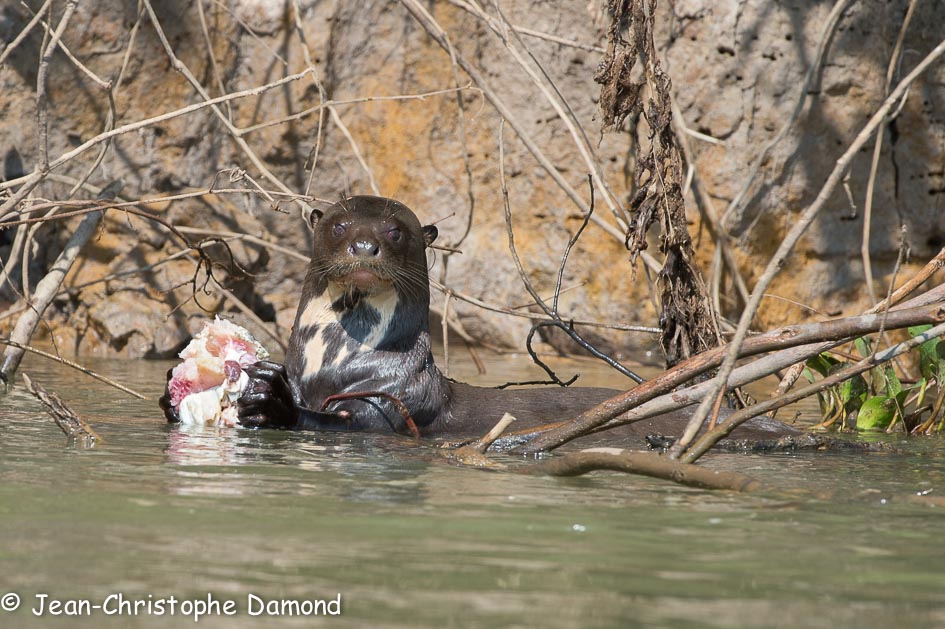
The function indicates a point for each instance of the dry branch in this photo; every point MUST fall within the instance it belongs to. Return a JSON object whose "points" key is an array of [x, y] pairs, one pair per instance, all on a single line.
{"points": [[646, 464], [877, 151], [787, 245], [423, 17], [725, 428], [71, 424], [46, 290], [796, 343], [76, 366], [148, 122], [551, 311], [9, 48], [546, 85]]}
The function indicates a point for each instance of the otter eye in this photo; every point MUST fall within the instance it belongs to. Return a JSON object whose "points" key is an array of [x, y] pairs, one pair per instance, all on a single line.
{"points": [[338, 230], [394, 234]]}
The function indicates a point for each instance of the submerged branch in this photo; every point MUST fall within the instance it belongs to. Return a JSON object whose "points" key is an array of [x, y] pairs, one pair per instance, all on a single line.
{"points": [[76, 366], [646, 464], [71, 424]]}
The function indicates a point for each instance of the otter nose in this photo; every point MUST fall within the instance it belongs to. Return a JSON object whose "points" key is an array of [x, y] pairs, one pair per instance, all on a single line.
{"points": [[364, 248]]}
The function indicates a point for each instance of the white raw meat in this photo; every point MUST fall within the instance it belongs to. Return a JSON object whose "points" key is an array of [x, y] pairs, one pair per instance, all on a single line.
{"points": [[204, 388]]}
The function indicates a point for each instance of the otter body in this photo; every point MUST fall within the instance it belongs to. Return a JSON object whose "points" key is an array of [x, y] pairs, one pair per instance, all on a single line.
{"points": [[363, 321], [361, 340]]}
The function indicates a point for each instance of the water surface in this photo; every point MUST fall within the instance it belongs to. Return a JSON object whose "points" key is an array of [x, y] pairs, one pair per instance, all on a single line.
{"points": [[407, 539]]}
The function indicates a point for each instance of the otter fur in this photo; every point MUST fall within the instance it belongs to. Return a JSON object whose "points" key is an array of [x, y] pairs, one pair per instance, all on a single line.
{"points": [[361, 340]]}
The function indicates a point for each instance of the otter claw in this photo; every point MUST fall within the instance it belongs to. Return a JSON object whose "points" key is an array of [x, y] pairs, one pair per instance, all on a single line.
{"points": [[170, 412], [266, 401]]}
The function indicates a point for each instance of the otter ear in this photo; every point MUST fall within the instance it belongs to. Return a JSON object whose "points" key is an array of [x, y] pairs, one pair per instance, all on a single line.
{"points": [[430, 232], [314, 217]]}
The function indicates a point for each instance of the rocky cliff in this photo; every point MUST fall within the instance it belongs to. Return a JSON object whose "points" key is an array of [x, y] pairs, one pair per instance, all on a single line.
{"points": [[384, 109]]}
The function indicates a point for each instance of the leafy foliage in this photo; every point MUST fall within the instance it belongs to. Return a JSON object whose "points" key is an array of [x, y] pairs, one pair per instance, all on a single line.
{"points": [[881, 401]]}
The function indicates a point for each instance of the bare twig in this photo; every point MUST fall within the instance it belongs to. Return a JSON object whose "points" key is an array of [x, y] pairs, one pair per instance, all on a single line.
{"points": [[9, 48], [353, 101], [102, 83], [546, 85], [464, 144], [558, 40], [787, 245], [75, 366], [537, 316], [336, 118], [214, 67], [707, 210], [420, 13], [551, 311], [252, 316], [148, 122], [933, 265], [231, 129], [45, 292], [877, 151], [41, 113]]}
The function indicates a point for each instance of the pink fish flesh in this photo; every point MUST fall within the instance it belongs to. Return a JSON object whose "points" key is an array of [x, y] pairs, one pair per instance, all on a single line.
{"points": [[205, 386]]}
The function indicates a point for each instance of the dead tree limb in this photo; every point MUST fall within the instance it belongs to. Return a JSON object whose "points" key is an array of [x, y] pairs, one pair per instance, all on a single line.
{"points": [[723, 429], [646, 464], [796, 343], [46, 290], [71, 424], [801, 224]]}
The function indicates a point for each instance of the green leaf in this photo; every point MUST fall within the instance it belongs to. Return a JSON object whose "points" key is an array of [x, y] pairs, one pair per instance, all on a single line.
{"points": [[852, 392], [807, 373], [931, 354], [893, 385], [863, 346], [877, 413], [822, 363]]}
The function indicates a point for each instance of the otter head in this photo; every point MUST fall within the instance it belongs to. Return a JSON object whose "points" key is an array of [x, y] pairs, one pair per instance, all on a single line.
{"points": [[367, 245]]}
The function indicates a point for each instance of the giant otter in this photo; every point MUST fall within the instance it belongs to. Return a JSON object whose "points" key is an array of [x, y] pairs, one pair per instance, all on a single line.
{"points": [[361, 342]]}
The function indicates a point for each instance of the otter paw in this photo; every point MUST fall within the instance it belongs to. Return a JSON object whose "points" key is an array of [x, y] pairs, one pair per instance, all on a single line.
{"points": [[267, 400], [170, 412]]}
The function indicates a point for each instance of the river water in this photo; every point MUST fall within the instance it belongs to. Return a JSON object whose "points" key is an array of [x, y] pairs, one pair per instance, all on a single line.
{"points": [[406, 539]]}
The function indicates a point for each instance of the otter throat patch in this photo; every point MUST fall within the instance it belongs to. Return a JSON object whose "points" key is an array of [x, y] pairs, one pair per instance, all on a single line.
{"points": [[334, 332]]}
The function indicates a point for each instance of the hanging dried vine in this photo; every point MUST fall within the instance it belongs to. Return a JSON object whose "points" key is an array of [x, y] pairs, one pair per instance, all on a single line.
{"points": [[688, 323]]}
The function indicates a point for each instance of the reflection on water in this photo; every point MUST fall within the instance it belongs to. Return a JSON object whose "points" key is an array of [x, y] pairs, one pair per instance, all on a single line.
{"points": [[408, 539]]}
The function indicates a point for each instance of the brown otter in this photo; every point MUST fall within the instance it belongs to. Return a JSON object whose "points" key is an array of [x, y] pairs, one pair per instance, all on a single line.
{"points": [[362, 329]]}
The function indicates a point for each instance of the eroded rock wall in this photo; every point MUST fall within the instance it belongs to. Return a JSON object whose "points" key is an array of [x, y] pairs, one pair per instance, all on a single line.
{"points": [[737, 69]]}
